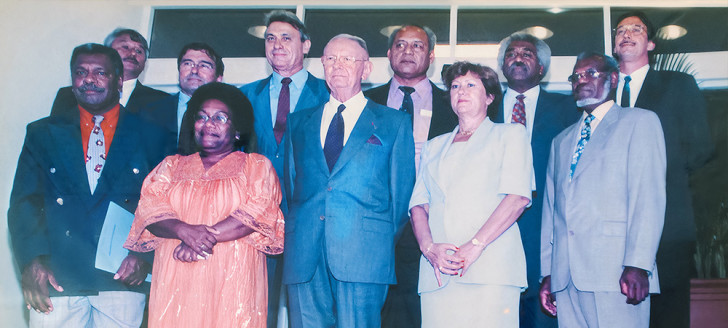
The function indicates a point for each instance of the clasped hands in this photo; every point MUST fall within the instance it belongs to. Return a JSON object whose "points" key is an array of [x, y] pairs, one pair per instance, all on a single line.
{"points": [[449, 259], [197, 242]]}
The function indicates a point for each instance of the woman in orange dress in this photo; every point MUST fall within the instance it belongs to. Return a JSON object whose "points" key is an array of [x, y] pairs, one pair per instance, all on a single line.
{"points": [[211, 217]]}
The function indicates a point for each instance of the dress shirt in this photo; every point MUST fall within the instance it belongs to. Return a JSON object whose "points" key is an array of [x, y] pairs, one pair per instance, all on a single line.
{"points": [[298, 81], [181, 109], [354, 107], [108, 125], [598, 113], [126, 91], [635, 85], [422, 114], [531, 100]]}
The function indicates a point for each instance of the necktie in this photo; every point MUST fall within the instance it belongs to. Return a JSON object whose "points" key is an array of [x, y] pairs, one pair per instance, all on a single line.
{"points": [[96, 154], [519, 111], [585, 135], [625, 92], [334, 138], [407, 105], [284, 107]]}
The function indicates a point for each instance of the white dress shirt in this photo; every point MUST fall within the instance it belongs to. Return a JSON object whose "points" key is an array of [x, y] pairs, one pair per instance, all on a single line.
{"points": [[126, 90], [635, 85], [530, 100], [354, 107]]}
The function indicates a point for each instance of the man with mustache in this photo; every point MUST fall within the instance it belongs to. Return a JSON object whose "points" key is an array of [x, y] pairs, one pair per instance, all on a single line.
{"points": [[71, 168], [524, 60], [411, 52], [604, 207], [198, 64], [134, 50], [288, 89], [677, 101]]}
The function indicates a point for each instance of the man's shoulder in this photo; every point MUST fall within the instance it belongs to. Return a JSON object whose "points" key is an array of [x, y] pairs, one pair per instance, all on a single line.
{"points": [[149, 92], [379, 94], [252, 88]]}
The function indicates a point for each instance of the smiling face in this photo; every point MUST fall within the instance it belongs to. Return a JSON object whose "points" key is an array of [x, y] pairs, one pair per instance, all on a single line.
{"points": [[410, 55], [284, 49], [344, 77], [521, 67], [468, 96], [629, 45], [95, 84], [214, 133], [196, 68], [132, 55]]}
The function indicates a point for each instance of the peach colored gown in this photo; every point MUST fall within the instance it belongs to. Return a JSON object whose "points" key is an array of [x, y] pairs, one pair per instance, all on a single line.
{"points": [[229, 288]]}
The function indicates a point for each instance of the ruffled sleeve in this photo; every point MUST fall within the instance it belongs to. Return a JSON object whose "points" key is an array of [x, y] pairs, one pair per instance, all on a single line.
{"points": [[261, 210], [154, 206]]}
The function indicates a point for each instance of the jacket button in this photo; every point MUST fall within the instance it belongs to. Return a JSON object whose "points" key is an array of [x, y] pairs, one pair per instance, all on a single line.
{"points": [[322, 217], [329, 189], [68, 233], [126, 200], [53, 170], [571, 232], [59, 201], [135, 170]]}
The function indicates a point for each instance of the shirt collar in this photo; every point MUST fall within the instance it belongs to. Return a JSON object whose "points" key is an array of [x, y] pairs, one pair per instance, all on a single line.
{"points": [[421, 88], [110, 116], [357, 101], [638, 74], [530, 94], [601, 110], [298, 80], [183, 98]]}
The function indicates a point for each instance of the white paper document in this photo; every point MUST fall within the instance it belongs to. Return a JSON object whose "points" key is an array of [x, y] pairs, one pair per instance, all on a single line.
{"points": [[111, 252]]}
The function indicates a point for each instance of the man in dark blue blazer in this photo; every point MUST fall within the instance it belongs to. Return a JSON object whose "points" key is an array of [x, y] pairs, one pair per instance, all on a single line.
{"points": [[59, 203], [134, 50], [524, 61], [677, 101], [349, 173], [411, 51], [286, 44]]}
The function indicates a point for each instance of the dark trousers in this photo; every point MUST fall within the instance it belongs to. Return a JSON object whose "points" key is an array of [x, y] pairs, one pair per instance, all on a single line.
{"points": [[402, 307], [675, 266]]}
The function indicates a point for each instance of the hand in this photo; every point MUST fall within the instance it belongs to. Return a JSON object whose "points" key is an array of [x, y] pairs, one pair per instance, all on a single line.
{"points": [[441, 261], [199, 238], [34, 282], [634, 284], [470, 253], [548, 301], [133, 270], [184, 253]]}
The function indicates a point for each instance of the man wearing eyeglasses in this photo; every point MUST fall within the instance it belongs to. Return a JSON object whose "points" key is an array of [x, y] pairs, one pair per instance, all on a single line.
{"points": [[411, 51], [349, 173], [198, 64], [604, 207], [134, 50], [289, 88], [524, 60], [677, 101]]}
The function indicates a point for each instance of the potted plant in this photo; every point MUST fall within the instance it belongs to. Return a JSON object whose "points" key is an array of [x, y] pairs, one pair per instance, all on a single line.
{"points": [[709, 293]]}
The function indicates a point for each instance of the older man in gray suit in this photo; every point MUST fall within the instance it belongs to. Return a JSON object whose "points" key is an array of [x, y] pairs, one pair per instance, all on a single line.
{"points": [[604, 207]]}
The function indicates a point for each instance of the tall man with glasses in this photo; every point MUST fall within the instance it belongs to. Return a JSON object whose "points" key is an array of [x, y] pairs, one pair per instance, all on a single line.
{"points": [[198, 64], [677, 101], [604, 207], [289, 88], [349, 173], [411, 51], [134, 50]]}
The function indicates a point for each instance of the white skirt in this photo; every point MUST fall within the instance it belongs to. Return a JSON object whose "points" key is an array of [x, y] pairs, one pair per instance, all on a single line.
{"points": [[471, 305]]}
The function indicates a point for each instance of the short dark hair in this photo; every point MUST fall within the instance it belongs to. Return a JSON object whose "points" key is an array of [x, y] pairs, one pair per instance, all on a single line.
{"points": [[241, 116], [206, 48], [431, 37], [609, 64], [543, 51], [288, 17], [642, 16], [133, 35], [97, 49], [486, 74]]}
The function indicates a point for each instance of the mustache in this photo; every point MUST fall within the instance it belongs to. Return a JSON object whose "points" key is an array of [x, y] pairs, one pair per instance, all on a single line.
{"points": [[131, 59], [91, 87], [521, 64]]}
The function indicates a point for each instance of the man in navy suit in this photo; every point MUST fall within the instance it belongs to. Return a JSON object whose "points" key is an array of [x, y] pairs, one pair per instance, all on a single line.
{"points": [[677, 101], [198, 64], [59, 203], [411, 51], [134, 50], [524, 61], [349, 173], [290, 88]]}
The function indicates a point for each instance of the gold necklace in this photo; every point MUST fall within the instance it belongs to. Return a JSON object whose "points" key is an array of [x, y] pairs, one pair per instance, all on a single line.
{"points": [[466, 133]]}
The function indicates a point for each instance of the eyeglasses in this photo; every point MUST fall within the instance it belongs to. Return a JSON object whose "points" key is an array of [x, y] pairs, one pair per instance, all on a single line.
{"points": [[633, 29], [188, 64], [589, 74], [346, 60], [217, 119]]}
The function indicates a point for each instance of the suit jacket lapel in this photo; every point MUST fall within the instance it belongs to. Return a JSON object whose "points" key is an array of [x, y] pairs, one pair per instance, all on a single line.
{"points": [[263, 101], [67, 153], [648, 91], [364, 128], [594, 148], [125, 140], [312, 139]]}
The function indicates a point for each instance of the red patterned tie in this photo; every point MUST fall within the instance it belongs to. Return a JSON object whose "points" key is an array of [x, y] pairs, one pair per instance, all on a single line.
{"points": [[284, 107], [519, 111]]}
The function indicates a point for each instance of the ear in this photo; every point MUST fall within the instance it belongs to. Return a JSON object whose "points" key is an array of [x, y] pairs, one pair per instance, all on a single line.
{"points": [[489, 99], [367, 70], [432, 56], [121, 83], [218, 79], [306, 46], [540, 70], [650, 46], [614, 79]]}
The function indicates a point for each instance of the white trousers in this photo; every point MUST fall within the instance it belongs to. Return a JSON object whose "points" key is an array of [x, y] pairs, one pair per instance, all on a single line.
{"points": [[108, 309]]}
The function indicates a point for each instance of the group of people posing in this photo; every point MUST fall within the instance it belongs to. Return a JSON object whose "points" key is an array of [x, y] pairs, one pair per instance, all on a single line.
{"points": [[302, 202]]}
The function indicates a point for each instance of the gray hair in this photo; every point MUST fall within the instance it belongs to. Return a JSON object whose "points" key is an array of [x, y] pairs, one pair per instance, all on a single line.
{"points": [[543, 52], [431, 37], [133, 35], [289, 18], [354, 38]]}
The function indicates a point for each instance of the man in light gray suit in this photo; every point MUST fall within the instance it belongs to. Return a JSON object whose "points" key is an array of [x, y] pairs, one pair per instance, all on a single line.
{"points": [[604, 207]]}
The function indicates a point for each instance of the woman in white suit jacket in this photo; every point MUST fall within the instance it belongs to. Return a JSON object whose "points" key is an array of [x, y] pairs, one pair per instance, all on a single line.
{"points": [[472, 186]]}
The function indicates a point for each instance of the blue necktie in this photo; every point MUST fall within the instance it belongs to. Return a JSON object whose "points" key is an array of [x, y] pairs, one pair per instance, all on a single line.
{"points": [[625, 92], [334, 138], [407, 105], [585, 135]]}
